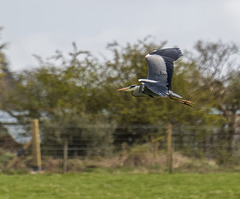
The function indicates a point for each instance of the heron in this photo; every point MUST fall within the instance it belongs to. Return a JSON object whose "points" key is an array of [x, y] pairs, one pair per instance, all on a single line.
{"points": [[159, 80]]}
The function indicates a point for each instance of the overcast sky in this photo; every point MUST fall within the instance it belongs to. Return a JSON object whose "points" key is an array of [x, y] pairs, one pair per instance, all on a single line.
{"points": [[43, 26]]}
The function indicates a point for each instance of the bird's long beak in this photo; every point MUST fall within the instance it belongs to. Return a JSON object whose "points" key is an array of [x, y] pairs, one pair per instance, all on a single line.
{"points": [[123, 89]]}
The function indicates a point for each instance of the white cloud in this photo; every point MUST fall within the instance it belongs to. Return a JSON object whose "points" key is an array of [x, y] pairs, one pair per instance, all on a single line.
{"points": [[232, 10], [42, 44]]}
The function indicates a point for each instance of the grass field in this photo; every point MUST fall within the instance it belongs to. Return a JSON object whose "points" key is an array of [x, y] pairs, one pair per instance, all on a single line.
{"points": [[102, 184]]}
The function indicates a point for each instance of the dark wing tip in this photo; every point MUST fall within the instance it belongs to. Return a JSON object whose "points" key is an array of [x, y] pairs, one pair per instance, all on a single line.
{"points": [[173, 53]]}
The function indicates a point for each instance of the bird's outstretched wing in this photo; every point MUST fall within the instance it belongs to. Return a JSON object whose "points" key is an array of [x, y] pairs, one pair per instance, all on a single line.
{"points": [[160, 64]]}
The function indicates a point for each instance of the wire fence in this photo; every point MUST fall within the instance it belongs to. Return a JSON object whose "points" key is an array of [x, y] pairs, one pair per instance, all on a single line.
{"points": [[130, 146]]}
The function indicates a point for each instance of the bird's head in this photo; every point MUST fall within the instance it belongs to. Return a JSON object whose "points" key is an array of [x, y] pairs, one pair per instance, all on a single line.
{"points": [[128, 89]]}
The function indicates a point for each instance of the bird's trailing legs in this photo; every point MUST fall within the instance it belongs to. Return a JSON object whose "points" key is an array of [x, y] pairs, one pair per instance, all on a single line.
{"points": [[185, 102]]}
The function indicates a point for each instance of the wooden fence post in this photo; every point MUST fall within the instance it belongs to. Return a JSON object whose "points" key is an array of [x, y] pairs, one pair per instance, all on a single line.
{"points": [[169, 149], [65, 156], [36, 150]]}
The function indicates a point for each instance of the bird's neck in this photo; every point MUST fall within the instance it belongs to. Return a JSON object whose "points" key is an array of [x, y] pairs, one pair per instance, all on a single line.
{"points": [[138, 92]]}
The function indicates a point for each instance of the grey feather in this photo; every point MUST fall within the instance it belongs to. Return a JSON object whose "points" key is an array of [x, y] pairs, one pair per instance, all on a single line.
{"points": [[160, 64]]}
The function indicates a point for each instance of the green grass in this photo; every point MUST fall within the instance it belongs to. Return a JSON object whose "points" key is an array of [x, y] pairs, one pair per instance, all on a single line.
{"points": [[101, 184]]}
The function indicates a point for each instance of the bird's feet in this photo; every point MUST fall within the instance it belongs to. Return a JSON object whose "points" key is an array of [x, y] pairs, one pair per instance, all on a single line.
{"points": [[186, 102]]}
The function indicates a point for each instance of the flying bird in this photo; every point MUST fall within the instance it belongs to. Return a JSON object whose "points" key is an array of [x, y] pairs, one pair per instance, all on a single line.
{"points": [[160, 73]]}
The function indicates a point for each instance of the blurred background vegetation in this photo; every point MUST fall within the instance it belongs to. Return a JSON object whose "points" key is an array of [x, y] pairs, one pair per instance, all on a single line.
{"points": [[70, 91]]}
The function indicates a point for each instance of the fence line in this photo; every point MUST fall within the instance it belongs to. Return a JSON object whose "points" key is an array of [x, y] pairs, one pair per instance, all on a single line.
{"points": [[108, 141]]}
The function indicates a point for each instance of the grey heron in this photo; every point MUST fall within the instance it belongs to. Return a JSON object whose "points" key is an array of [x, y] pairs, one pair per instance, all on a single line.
{"points": [[159, 80]]}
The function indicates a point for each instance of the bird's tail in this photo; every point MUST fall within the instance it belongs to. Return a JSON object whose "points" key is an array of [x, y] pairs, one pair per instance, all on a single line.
{"points": [[173, 95]]}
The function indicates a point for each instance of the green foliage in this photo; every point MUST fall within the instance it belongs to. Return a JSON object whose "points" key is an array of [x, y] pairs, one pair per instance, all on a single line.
{"points": [[232, 98], [82, 84], [5, 157], [6, 77], [215, 61]]}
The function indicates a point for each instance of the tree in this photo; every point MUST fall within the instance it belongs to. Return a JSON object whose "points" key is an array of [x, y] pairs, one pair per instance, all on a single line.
{"points": [[50, 89], [220, 79], [61, 92], [7, 81]]}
